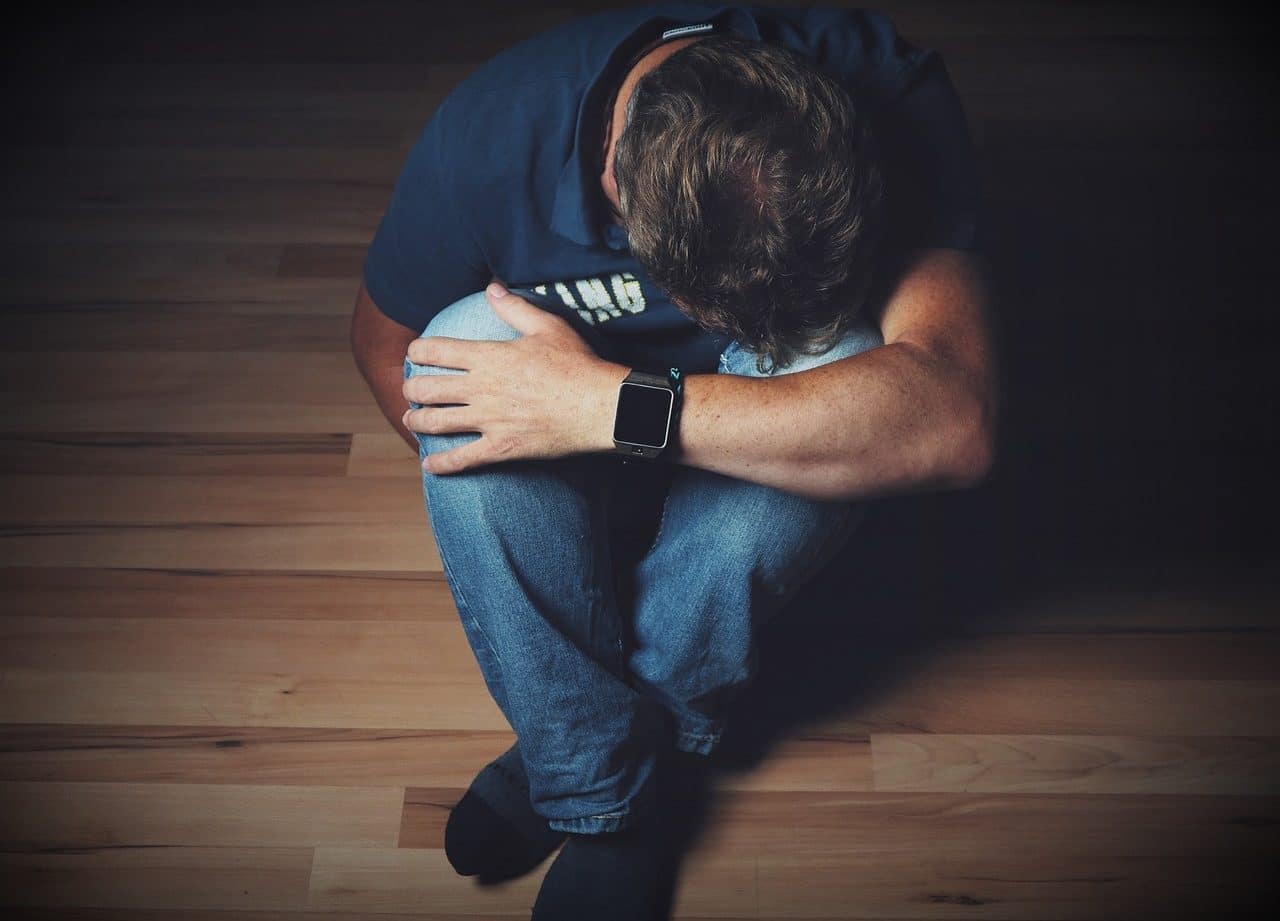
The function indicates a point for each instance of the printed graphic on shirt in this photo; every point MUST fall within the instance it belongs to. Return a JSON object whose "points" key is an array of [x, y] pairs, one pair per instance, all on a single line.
{"points": [[600, 298]]}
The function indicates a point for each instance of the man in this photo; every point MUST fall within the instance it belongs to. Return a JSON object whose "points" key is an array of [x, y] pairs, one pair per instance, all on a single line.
{"points": [[777, 208]]}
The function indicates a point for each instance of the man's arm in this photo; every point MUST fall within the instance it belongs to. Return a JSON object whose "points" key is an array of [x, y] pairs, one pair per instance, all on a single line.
{"points": [[916, 413], [378, 344]]}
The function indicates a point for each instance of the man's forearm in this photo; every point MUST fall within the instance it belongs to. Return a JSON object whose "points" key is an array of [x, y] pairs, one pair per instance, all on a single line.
{"points": [[889, 420], [386, 382]]}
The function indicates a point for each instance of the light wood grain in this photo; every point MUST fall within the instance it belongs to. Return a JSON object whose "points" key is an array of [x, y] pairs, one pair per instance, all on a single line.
{"points": [[381, 455], [238, 698], [73, 454], [372, 879], [185, 392], [174, 878], [93, 498], [315, 547], [96, 814], [249, 755], [356, 648], [938, 702], [1075, 764], [211, 593], [172, 594]]}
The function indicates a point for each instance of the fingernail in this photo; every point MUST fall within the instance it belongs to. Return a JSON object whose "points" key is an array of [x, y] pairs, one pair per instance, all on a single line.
{"points": [[404, 420], [426, 464], [497, 290]]}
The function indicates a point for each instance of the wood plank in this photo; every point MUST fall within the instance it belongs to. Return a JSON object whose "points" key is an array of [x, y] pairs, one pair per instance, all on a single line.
{"points": [[240, 698], [98, 815], [337, 163], [145, 454], [391, 880], [92, 498], [195, 646], [187, 914], [381, 455], [927, 702], [858, 882], [230, 295], [1007, 856], [249, 755], [173, 594], [317, 547], [1081, 656], [805, 761], [354, 224], [808, 764], [354, 647], [179, 191], [198, 266], [186, 392], [171, 878], [244, 128], [319, 260], [942, 763], [378, 880], [165, 327]]}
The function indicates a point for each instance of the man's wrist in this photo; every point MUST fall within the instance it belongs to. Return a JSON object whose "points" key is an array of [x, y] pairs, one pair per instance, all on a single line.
{"points": [[603, 406]]}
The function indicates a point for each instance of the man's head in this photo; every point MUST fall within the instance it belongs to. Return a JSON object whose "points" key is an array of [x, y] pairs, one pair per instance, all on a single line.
{"points": [[750, 190]]}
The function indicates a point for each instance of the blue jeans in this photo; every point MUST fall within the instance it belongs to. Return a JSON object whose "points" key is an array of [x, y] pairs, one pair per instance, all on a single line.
{"points": [[526, 557]]}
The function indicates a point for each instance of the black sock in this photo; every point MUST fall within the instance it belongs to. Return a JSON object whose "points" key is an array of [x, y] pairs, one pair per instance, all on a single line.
{"points": [[493, 832], [612, 876]]}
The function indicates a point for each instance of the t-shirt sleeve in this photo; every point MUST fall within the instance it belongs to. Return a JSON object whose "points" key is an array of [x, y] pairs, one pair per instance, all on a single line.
{"points": [[423, 256], [934, 184]]}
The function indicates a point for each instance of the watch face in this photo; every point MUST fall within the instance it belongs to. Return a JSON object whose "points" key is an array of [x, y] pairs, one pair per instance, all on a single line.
{"points": [[643, 414]]}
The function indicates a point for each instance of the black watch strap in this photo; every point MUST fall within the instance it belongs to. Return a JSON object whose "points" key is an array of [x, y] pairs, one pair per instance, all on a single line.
{"points": [[647, 377], [673, 380]]}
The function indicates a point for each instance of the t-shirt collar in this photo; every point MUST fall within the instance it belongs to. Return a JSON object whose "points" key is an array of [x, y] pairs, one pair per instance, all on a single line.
{"points": [[570, 217]]}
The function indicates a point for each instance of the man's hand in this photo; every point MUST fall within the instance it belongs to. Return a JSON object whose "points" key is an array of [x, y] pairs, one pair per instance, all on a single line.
{"points": [[545, 394]]}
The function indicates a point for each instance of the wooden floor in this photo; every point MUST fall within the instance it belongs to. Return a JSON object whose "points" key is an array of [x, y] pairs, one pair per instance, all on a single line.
{"points": [[233, 682]]}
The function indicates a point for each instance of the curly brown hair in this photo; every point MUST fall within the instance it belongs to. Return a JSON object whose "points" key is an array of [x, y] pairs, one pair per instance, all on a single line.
{"points": [[751, 192]]}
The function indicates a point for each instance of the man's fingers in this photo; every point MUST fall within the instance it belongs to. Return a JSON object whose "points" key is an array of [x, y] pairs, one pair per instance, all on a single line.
{"points": [[472, 454], [448, 352], [438, 420], [435, 388]]}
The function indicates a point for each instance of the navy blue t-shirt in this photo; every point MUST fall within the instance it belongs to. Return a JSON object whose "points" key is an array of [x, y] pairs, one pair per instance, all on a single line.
{"points": [[504, 179]]}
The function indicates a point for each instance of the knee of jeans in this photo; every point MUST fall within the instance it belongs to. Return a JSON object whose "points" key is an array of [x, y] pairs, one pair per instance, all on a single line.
{"points": [[470, 317], [860, 338], [755, 533]]}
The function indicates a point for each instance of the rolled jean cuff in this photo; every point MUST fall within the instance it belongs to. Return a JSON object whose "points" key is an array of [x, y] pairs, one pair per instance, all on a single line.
{"points": [[700, 743], [642, 804], [593, 824]]}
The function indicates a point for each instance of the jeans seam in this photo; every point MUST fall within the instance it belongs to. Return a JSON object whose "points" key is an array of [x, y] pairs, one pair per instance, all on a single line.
{"points": [[465, 612], [464, 609], [662, 520]]}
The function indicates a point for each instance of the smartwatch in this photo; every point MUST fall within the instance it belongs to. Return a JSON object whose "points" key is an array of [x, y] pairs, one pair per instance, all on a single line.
{"points": [[648, 413]]}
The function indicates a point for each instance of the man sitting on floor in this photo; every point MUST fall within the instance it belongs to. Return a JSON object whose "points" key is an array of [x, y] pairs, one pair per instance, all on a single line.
{"points": [[738, 240]]}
